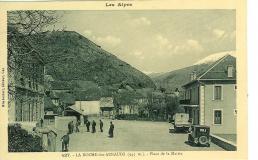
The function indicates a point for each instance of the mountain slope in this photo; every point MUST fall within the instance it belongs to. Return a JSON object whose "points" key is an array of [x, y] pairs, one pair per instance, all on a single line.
{"points": [[70, 56], [177, 78]]}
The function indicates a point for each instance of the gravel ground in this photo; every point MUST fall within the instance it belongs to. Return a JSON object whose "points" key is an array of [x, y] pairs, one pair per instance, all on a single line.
{"points": [[131, 136]]}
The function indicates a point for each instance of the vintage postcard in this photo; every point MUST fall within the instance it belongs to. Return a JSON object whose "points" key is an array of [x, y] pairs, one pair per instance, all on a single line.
{"points": [[123, 80]]}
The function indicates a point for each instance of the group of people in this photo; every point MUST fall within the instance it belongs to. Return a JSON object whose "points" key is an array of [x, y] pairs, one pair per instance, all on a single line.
{"points": [[93, 126], [71, 126], [101, 124], [65, 138]]}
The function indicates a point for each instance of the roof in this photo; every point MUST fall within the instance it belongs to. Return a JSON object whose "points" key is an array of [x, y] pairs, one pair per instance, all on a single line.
{"points": [[216, 70], [214, 57], [106, 102], [48, 78], [76, 109], [84, 107], [144, 92], [91, 94]]}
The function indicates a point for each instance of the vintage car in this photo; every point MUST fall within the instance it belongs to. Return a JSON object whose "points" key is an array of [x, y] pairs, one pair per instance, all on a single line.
{"points": [[181, 122], [199, 135]]}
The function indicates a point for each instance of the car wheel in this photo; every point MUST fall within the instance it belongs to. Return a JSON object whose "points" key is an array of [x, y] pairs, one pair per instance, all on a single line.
{"points": [[203, 140]]}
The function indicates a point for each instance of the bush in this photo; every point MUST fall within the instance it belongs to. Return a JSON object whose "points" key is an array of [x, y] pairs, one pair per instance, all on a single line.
{"points": [[127, 116], [19, 140], [137, 117]]}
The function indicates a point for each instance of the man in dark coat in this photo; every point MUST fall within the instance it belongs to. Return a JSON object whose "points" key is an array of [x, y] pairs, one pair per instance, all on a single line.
{"points": [[88, 126], [111, 130], [72, 127], [69, 128], [93, 126], [77, 126], [101, 125], [65, 142]]}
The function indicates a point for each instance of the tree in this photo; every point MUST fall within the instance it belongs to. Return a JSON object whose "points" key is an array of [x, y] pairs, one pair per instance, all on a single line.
{"points": [[172, 104], [30, 22], [22, 28]]}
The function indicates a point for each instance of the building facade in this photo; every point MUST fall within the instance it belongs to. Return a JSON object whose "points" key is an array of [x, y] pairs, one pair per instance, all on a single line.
{"points": [[210, 97], [25, 83], [107, 107]]}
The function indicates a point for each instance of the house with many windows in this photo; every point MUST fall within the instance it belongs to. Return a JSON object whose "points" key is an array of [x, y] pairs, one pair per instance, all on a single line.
{"points": [[210, 96], [25, 82]]}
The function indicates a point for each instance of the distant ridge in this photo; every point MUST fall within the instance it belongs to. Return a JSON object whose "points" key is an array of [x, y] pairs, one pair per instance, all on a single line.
{"points": [[177, 78]]}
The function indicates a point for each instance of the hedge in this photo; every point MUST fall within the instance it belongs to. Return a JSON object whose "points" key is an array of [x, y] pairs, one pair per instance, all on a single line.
{"points": [[19, 140]]}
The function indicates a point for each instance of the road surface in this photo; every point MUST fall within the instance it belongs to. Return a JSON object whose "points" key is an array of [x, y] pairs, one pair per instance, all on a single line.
{"points": [[131, 136]]}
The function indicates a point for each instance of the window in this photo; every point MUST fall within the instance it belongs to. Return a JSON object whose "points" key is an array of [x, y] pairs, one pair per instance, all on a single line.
{"points": [[217, 95], [188, 94], [217, 117], [230, 71]]}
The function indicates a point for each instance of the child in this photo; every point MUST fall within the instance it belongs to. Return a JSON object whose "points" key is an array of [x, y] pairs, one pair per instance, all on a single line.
{"points": [[65, 142]]}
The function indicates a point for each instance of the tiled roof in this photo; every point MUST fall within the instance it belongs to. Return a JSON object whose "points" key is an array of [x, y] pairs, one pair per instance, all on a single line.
{"points": [[216, 70]]}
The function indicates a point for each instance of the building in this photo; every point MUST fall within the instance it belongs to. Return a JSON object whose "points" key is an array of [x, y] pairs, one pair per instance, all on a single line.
{"points": [[133, 102], [106, 106], [210, 96], [25, 82], [50, 110], [90, 108]]}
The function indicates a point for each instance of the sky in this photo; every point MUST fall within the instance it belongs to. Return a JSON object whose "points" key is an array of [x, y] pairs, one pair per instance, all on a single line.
{"points": [[155, 41]]}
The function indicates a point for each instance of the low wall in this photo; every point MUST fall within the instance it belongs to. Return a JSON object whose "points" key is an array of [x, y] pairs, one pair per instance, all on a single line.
{"points": [[223, 143], [28, 126], [61, 123], [48, 136]]}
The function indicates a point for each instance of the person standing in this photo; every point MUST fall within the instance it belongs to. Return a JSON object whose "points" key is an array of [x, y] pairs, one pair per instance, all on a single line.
{"points": [[65, 142], [69, 127], [88, 125], [93, 126], [77, 126], [111, 130], [72, 127], [101, 125]]}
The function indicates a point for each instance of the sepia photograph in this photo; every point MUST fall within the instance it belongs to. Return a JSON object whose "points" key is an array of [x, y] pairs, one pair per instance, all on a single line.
{"points": [[125, 80]]}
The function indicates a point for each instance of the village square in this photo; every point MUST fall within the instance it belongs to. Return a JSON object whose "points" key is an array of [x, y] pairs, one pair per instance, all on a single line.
{"points": [[70, 90]]}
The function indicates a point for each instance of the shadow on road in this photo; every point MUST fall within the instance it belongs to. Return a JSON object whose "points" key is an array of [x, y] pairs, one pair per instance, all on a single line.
{"points": [[178, 131], [190, 144], [193, 145]]}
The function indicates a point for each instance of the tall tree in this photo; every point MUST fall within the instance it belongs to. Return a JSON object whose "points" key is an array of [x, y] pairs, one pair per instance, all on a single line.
{"points": [[23, 27]]}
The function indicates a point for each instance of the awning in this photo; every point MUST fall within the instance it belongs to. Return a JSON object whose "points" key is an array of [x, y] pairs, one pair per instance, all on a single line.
{"points": [[77, 110]]}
